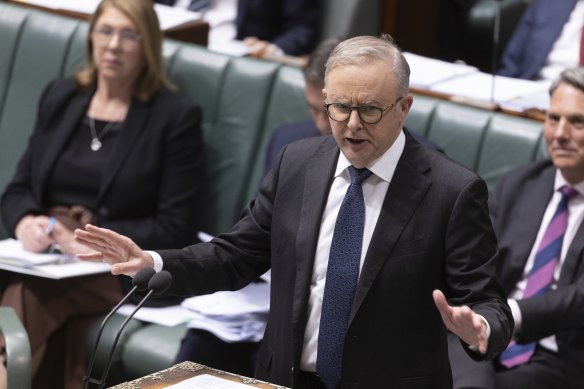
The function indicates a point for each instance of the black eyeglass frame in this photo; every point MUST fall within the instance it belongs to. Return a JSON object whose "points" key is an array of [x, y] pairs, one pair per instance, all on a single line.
{"points": [[358, 109]]}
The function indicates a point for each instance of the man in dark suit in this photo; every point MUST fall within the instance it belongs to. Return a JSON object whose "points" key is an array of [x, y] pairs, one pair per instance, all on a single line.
{"points": [[270, 26], [419, 229], [553, 321], [539, 29]]}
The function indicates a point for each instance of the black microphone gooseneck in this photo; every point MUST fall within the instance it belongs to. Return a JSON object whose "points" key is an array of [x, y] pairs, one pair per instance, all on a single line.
{"points": [[141, 282], [496, 33], [158, 284]]}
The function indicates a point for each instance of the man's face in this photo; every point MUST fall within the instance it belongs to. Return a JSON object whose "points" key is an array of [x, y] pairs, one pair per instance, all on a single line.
{"points": [[314, 101], [564, 132], [368, 84]]}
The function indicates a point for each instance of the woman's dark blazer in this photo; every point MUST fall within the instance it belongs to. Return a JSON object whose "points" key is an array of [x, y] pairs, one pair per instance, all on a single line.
{"points": [[150, 187]]}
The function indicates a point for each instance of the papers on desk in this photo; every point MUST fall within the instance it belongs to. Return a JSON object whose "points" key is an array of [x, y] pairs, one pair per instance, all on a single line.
{"points": [[479, 86], [168, 17], [232, 316], [467, 84], [85, 6], [426, 72], [14, 258], [166, 316], [208, 381]]}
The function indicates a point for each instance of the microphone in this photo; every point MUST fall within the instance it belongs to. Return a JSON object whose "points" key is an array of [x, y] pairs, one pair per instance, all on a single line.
{"points": [[140, 282], [158, 284]]}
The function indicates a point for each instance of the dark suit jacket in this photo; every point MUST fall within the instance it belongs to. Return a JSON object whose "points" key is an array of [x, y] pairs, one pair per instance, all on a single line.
{"points": [[433, 232], [518, 207], [533, 38], [150, 188], [292, 25]]}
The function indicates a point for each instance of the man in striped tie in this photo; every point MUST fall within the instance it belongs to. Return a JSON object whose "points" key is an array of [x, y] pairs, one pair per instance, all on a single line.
{"points": [[537, 213]]}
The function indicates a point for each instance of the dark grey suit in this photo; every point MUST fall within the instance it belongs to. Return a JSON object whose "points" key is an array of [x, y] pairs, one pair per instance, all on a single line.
{"points": [[517, 210], [433, 232]]}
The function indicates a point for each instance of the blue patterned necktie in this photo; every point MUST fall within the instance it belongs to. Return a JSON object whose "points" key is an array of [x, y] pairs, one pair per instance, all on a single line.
{"points": [[540, 277], [341, 280], [199, 5]]}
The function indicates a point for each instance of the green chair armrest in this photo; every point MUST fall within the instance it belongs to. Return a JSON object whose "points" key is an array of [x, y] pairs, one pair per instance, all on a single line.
{"points": [[18, 358]]}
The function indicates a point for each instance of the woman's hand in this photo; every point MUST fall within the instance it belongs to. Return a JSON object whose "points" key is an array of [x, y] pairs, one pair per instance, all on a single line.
{"points": [[65, 239], [118, 250], [31, 232]]}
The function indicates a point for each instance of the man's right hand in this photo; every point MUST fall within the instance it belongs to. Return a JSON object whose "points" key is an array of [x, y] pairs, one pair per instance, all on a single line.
{"points": [[118, 250]]}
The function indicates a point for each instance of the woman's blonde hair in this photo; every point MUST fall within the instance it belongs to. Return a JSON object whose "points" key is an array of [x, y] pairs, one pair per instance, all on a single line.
{"points": [[152, 76]]}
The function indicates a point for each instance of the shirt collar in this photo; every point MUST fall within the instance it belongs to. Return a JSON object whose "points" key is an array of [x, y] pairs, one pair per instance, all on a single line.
{"points": [[384, 166]]}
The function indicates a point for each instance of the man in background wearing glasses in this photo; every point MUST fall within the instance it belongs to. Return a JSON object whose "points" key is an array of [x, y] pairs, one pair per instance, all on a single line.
{"points": [[365, 231]]}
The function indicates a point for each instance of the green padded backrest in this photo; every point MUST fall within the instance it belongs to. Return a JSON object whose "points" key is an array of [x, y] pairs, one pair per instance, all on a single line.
{"points": [[233, 93], [420, 115], [12, 20], [509, 142], [459, 130], [287, 104], [37, 46]]}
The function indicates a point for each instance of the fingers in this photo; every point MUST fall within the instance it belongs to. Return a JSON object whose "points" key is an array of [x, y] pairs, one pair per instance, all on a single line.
{"points": [[129, 268], [93, 256], [440, 300]]}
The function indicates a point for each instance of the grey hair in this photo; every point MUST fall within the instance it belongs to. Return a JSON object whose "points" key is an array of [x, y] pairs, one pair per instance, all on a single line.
{"points": [[365, 49], [571, 76]]}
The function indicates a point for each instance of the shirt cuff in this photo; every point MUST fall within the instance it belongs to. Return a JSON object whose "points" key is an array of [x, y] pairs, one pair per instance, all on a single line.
{"points": [[516, 312], [157, 259], [475, 347]]}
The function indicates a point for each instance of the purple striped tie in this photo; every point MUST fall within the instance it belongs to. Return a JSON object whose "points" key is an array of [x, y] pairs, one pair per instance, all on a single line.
{"points": [[540, 277]]}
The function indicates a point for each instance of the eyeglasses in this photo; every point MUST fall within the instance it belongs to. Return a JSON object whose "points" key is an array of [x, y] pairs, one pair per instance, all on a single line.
{"points": [[129, 40], [369, 114]]}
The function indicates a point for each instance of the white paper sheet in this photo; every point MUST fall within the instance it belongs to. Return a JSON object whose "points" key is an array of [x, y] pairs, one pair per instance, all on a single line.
{"points": [[208, 381], [166, 316]]}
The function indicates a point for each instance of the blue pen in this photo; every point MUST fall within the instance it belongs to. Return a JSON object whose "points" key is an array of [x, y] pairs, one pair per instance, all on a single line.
{"points": [[50, 225]]}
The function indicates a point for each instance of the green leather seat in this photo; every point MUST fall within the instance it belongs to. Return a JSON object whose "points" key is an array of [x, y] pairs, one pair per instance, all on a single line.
{"points": [[18, 358]]}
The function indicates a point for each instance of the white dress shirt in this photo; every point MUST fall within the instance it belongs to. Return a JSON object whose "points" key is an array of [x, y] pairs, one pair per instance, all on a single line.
{"points": [[374, 191], [565, 52]]}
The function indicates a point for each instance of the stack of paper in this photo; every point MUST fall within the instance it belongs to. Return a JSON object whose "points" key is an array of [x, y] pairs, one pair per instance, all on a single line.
{"points": [[232, 316], [426, 72], [498, 89], [15, 258]]}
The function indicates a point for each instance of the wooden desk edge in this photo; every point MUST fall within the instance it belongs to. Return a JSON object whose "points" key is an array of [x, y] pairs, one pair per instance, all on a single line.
{"points": [[186, 370]]}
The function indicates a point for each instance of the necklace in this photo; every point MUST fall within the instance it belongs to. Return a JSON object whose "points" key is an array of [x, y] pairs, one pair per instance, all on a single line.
{"points": [[95, 141]]}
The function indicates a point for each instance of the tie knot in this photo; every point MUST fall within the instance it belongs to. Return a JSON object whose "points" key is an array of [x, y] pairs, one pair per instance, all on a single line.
{"points": [[568, 192], [359, 175]]}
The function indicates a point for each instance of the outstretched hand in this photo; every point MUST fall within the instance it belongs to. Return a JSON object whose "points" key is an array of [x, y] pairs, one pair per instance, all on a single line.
{"points": [[463, 322], [118, 250]]}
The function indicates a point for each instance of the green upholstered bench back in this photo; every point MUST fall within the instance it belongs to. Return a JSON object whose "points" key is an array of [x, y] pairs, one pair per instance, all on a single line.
{"points": [[490, 143]]}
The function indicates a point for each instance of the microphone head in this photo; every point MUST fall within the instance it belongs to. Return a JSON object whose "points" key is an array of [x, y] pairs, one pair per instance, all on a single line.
{"points": [[142, 278], [160, 282]]}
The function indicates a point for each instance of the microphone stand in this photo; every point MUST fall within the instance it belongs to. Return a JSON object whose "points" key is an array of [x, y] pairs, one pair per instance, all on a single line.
{"points": [[140, 282], [496, 32], [101, 382], [158, 284]]}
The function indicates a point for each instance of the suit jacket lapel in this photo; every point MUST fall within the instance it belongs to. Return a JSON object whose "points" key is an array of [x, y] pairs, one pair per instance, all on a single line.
{"points": [[571, 267], [405, 192], [317, 182], [133, 127], [535, 194]]}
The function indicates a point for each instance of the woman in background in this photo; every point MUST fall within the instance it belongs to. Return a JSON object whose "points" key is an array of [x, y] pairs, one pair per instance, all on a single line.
{"points": [[114, 146]]}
